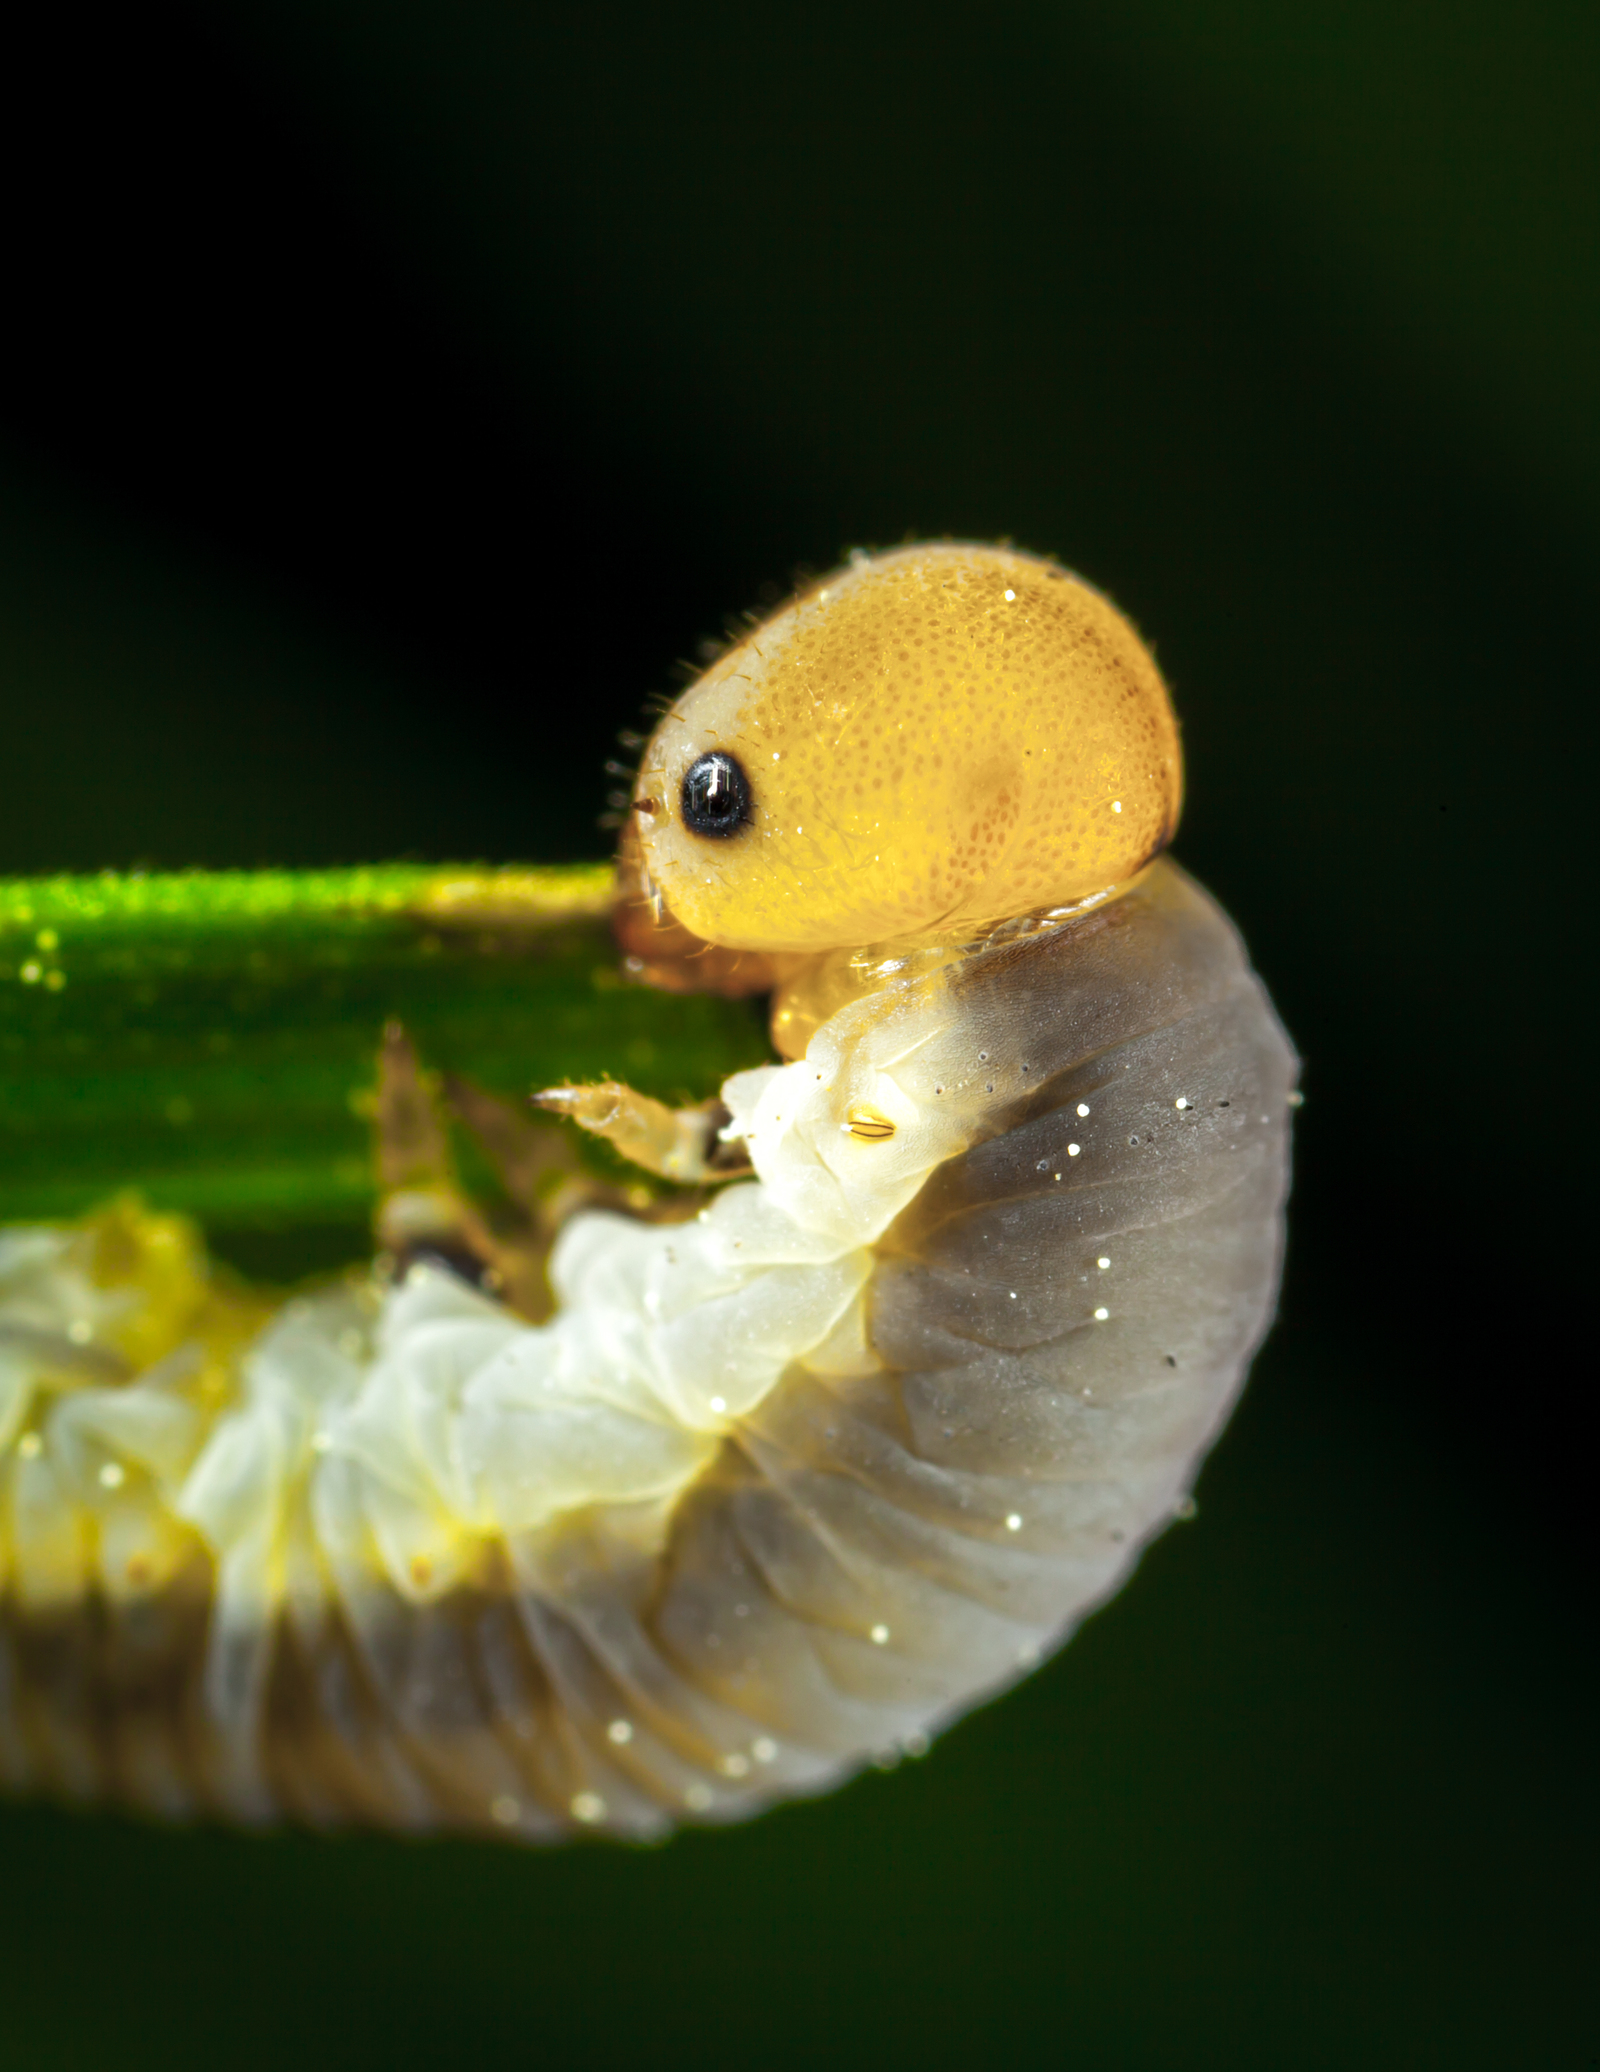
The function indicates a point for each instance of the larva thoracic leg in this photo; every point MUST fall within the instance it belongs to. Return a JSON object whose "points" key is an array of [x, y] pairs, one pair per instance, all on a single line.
{"points": [[771, 1490], [683, 1144]]}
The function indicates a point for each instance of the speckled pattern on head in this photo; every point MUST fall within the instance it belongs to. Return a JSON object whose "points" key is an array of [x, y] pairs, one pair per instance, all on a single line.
{"points": [[934, 738]]}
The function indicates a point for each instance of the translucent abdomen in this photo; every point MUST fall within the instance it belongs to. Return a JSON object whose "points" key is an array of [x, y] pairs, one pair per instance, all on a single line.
{"points": [[1066, 1311]]}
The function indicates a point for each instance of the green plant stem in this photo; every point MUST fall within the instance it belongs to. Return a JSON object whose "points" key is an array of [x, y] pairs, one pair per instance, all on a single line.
{"points": [[209, 1038]]}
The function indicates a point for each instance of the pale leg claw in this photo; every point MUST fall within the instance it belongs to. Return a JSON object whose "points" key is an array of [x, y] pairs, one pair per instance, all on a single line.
{"points": [[681, 1144]]}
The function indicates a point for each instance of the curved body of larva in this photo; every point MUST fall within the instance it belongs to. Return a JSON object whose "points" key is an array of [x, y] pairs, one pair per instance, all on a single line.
{"points": [[776, 1490], [879, 1480]]}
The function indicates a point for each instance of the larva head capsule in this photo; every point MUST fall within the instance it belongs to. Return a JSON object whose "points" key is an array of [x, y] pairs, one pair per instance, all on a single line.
{"points": [[926, 742]]}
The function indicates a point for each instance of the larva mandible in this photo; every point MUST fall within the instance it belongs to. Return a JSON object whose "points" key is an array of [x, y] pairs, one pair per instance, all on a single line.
{"points": [[777, 1489]]}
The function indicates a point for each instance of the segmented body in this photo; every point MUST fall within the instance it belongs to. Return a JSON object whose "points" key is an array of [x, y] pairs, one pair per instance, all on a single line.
{"points": [[774, 1492]]}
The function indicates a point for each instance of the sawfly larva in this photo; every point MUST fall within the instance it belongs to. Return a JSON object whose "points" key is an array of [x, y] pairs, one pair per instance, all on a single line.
{"points": [[785, 1479]]}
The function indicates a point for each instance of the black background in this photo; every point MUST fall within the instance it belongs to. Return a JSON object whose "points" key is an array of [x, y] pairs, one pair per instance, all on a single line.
{"points": [[392, 395]]}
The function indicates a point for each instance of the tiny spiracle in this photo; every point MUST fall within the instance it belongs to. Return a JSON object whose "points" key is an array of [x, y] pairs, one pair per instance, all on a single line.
{"points": [[576, 1523]]}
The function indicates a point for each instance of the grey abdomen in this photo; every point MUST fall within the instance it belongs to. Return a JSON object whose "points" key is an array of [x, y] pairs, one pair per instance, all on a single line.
{"points": [[1065, 1312]]}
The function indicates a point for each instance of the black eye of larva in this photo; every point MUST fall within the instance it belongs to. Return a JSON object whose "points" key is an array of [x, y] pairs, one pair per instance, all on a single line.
{"points": [[715, 796]]}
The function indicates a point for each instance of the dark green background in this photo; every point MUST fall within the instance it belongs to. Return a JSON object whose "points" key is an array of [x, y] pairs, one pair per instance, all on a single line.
{"points": [[392, 393]]}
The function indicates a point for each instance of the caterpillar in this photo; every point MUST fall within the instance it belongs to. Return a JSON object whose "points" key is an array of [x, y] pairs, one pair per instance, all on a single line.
{"points": [[693, 1510]]}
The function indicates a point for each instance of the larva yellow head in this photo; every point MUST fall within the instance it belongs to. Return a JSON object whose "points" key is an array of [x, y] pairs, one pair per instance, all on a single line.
{"points": [[930, 740]]}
